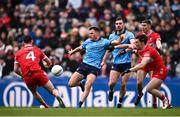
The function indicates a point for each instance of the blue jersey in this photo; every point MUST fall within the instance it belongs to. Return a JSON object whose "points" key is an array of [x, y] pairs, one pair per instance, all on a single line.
{"points": [[127, 57], [94, 51]]}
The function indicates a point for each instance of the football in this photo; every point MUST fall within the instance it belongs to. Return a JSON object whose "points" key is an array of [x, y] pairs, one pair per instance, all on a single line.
{"points": [[57, 70], [41, 106]]}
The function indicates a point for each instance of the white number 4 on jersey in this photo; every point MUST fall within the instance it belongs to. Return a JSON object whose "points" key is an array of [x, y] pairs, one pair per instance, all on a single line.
{"points": [[31, 56]]}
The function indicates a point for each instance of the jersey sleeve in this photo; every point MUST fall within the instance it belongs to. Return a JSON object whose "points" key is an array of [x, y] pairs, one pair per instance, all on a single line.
{"points": [[107, 42], [157, 36], [131, 36], [147, 54], [110, 37], [85, 43]]}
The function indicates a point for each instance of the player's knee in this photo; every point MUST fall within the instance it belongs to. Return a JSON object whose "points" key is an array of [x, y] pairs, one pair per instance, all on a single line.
{"points": [[148, 89]]}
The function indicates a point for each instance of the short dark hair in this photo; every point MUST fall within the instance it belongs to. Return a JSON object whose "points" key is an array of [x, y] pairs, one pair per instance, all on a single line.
{"points": [[27, 39], [142, 38], [119, 18], [147, 21], [94, 28]]}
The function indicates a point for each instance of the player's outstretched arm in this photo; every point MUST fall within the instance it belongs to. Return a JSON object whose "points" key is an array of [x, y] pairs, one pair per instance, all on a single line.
{"points": [[75, 50], [130, 46], [143, 63]]}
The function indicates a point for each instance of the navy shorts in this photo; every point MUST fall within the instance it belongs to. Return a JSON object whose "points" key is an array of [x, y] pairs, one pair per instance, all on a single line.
{"points": [[86, 69], [121, 67]]}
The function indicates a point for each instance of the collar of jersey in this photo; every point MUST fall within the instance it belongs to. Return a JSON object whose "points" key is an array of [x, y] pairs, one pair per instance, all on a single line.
{"points": [[28, 45]]}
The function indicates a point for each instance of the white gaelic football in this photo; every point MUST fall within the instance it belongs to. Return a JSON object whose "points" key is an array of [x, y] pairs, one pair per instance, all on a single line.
{"points": [[57, 70], [41, 106]]}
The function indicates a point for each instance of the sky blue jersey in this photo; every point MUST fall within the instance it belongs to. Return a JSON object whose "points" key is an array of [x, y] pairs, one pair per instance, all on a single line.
{"points": [[94, 51], [127, 57]]}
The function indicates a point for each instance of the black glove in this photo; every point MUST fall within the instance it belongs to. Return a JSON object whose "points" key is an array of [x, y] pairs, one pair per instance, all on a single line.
{"points": [[110, 48], [121, 52], [126, 71]]}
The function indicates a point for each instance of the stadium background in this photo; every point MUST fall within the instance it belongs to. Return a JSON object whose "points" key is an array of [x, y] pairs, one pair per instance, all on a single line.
{"points": [[60, 25]]}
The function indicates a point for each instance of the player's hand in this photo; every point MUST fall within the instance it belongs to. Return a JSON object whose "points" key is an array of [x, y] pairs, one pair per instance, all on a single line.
{"points": [[110, 48], [125, 72], [70, 52]]}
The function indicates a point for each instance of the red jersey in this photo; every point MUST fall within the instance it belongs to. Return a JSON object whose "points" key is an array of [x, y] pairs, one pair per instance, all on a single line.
{"points": [[156, 65], [156, 59], [152, 38], [29, 57]]}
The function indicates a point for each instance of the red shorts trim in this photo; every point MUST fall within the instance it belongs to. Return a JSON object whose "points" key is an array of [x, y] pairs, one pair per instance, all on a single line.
{"points": [[36, 78]]}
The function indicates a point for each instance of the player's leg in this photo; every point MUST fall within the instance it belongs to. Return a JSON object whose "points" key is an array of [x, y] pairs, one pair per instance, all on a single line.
{"points": [[75, 79], [37, 96], [154, 105], [141, 74], [152, 88], [77, 76], [50, 87], [114, 75], [123, 89], [89, 82]]}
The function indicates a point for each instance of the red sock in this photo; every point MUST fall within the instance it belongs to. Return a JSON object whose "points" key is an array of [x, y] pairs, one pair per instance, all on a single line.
{"points": [[154, 99], [162, 97]]}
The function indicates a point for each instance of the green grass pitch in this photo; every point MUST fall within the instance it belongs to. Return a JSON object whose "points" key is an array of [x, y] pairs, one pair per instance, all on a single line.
{"points": [[34, 111]]}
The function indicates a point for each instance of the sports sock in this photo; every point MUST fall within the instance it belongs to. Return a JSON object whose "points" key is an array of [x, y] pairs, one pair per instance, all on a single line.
{"points": [[139, 87], [162, 97], [154, 100]]}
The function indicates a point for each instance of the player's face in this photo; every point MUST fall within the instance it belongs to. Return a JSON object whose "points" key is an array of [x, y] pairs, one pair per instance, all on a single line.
{"points": [[93, 34], [138, 44], [145, 27], [119, 25]]}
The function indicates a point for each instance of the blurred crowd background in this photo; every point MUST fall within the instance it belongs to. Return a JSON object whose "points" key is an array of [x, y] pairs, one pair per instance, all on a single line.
{"points": [[60, 25]]}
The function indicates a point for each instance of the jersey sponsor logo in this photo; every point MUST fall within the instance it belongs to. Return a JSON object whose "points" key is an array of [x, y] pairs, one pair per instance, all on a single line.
{"points": [[17, 95]]}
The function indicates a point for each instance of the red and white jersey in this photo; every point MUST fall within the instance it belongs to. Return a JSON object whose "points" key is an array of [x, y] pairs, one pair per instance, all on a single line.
{"points": [[29, 57], [156, 59], [152, 38]]}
